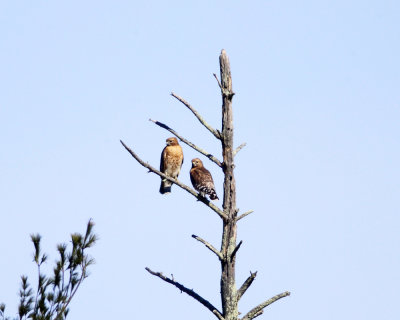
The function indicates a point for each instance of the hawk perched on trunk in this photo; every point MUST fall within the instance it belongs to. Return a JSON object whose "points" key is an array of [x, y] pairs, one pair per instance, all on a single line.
{"points": [[171, 163], [202, 180]]}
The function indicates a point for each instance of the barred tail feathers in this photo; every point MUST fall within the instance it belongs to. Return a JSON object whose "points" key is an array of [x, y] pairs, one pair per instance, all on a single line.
{"points": [[209, 191], [213, 195]]}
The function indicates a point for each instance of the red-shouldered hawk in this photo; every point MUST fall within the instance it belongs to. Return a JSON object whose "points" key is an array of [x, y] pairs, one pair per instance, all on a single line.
{"points": [[202, 180], [171, 163]]}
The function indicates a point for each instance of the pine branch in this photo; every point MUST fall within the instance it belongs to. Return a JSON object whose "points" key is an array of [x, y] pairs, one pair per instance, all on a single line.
{"points": [[177, 182], [198, 116], [256, 311], [209, 246], [190, 292], [78, 259], [64, 307], [246, 285], [190, 144], [51, 298]]}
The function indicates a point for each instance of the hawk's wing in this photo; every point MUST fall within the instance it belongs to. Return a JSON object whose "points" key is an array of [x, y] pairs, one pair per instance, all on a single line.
{"points": [[162, 160]]}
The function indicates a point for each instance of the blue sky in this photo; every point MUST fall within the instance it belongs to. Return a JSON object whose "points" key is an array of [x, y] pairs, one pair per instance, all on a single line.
{"points": [[317, 101]]}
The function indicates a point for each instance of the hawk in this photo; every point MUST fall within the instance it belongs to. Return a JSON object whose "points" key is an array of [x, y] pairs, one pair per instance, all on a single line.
{"points": [[202, 180], [171, 163]]}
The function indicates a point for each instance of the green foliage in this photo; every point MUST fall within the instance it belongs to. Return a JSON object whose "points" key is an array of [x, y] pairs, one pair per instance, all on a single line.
{"points": [[54, 293]]}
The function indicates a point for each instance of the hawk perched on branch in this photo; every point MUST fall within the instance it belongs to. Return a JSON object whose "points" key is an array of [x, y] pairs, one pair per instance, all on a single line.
{"points": [[202, 180], [171, 163]]}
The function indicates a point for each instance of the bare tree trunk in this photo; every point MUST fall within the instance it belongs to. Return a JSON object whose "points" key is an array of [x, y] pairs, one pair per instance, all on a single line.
{"points": [[230, 296], [228, 285]]}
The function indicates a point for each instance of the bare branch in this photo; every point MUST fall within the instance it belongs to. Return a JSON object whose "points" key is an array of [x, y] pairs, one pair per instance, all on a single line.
{"points": [[190, 144], [236, 250], [209, 246], [190, 292], [177, 182], [244, 214], [219, 315], [246, 285], [259, 313], [198, 116], [239, 148], [256, 311], [219, 83]]}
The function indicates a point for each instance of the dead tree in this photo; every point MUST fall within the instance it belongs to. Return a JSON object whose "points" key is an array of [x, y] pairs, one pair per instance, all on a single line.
{"points": [[230, 295]]}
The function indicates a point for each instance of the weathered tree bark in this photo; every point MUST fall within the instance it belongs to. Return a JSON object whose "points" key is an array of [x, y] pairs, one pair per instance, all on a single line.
{"points": [[228, 284], [230, 296]]}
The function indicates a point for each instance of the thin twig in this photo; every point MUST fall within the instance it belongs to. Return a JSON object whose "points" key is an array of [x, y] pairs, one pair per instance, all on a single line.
{"points": [[246, 285], [198, 116], [219, 83], [177, 182], [239, 148], [209, 246], [190, 144], [244, 214], [256, 311], [236, 250], [190, 292]]}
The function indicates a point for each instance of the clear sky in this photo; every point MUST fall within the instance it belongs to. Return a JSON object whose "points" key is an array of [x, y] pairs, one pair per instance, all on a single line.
{"points": [[317, 101]]}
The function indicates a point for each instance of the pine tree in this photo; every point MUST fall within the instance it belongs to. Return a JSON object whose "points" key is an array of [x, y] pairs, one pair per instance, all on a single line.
{"points": [[51, 297]]}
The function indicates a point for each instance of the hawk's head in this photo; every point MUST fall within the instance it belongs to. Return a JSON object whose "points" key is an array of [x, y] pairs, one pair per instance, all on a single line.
{"points": [[172, 142], [197, 163]]}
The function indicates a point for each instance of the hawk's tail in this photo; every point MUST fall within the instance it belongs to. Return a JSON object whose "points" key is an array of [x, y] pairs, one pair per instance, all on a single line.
{"points": [[165, 186], [209, 191], [213, 195]]}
